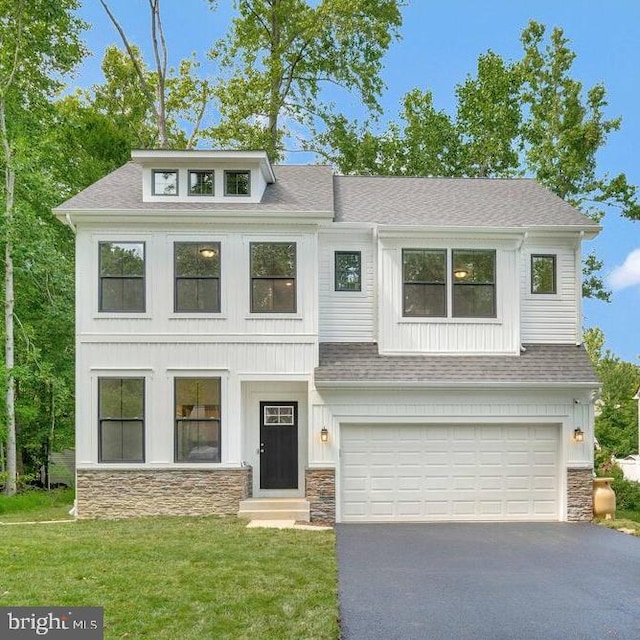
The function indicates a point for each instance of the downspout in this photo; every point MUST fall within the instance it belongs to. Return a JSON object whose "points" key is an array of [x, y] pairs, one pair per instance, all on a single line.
{"points": [[578, 267]]}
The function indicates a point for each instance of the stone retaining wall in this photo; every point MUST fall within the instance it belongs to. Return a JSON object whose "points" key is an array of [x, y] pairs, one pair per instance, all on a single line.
{"points": [[320, 491], [105, 493], [579, 495]]}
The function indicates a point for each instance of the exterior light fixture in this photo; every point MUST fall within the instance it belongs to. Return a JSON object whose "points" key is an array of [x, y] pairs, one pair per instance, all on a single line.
{"points": [[324, 434], [207, 252], [578, 435]]}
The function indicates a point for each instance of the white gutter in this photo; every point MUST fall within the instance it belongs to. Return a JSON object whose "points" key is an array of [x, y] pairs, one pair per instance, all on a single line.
{"points": [[451, 384]]}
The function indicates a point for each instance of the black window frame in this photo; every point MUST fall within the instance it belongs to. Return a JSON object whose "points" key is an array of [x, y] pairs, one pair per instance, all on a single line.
{"points": [[424, 283], [336, 284], [462, 282], [211, 172], [294, 278], [137, 419], [153, 182], [102, 277], [177, 278], [546, 256], [182, 419], [228, 173]]}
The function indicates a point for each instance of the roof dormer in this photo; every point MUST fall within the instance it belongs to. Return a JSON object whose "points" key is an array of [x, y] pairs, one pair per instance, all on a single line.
{"points": [[203, 176]]}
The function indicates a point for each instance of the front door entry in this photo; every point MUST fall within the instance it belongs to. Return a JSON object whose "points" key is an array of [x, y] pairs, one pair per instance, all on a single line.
{"points": [[278, 445]]}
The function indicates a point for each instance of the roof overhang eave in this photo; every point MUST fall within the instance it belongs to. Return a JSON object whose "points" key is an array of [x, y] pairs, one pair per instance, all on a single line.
{"points": [[451, 384]]}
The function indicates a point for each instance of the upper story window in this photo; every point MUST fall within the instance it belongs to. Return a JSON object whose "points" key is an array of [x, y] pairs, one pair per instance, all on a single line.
{"points": [[164, 182], [425, 283], [197, 426], [543, 274], [121, 419], [197, 276], [122, 275], [201, 182], [474, 283], [348, 271], [424, 276], [273, 277], [237, 183]]}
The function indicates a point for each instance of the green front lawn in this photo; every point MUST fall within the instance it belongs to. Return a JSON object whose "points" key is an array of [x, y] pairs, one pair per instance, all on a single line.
{"points": [[196, 578], [37, 505]]}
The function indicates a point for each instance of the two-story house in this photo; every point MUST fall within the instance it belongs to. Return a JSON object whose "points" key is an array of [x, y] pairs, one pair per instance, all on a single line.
{"points": [[369, 348]]}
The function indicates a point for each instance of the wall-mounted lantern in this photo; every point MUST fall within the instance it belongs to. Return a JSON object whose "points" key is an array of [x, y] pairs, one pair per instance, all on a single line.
{"points": [[324, 434], [578, 435]]}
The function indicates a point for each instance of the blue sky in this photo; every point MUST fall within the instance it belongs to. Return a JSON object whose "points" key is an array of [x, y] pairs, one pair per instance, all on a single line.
{"points": [[440, 44]]}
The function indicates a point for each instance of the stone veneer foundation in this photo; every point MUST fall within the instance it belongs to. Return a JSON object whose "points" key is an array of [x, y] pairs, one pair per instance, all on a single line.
{"points": [[579, 495], [320, 491], [111, 493]]}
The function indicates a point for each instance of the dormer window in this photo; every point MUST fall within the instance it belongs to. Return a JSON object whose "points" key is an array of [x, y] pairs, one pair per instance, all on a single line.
{"points": [[201, 182], [164, 183], [237, 183]]}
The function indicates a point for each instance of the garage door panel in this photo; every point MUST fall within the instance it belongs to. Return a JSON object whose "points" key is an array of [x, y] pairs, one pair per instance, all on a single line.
{"points": [[449, 472]]}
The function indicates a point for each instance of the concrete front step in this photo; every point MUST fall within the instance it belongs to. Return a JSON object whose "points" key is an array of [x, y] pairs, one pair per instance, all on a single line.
{"points": [[275, 509]]}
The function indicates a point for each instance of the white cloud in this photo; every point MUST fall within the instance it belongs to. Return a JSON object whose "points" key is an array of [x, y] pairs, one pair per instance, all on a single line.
{"points": [[628, 273]]}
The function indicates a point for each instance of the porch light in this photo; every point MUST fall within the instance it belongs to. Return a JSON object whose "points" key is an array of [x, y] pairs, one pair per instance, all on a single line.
{"points": [[207, 252], [324, 434], [578, 435]]}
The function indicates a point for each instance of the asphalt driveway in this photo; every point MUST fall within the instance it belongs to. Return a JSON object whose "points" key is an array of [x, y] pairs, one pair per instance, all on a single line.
{"points": [[488, 582]]}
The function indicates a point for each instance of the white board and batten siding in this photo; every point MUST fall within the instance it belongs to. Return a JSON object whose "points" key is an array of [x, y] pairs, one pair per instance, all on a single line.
{"points": [[404, 335], [346, 316], [421, 473], [551, 318]]}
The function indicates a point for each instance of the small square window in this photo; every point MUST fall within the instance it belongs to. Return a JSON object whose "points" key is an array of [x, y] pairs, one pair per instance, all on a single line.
{"points": [[543, 274], [165, 183], [201, 183], [237, 183], [348, 271]]}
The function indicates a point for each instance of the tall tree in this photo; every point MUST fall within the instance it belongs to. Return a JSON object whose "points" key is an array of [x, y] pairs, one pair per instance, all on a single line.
{"points": [[280, 54], [40, 42], [163, 97]]}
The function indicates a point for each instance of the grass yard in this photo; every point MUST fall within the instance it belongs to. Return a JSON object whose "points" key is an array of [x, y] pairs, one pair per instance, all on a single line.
{"points": [[168, 578], [37, 505], [629, 521]]}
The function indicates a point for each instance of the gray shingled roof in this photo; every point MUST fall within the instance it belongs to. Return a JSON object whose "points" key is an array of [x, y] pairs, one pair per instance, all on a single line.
{"points": [[540, 364], [472, 202], [297, 188]]}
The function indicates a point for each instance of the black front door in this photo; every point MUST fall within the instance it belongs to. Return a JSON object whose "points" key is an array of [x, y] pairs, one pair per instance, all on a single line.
{"points": [[278, 445]]}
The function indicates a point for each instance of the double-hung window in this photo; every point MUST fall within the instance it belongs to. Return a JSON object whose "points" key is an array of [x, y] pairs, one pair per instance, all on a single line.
{"points": [[441, 283], [474, 283], [197, 277], [273, 277], [122, 275], [424, 275], [197, 419], [121, 419]]}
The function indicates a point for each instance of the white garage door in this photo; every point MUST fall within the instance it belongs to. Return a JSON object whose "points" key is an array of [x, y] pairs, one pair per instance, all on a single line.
{"points": [[449, 472]]}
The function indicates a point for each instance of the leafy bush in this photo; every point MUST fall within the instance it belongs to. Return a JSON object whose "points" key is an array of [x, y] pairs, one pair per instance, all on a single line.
{"points": [[627, 494]]}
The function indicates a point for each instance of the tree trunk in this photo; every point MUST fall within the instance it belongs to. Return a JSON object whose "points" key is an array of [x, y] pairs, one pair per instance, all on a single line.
{"points": [[276, 80], [10, 178]]}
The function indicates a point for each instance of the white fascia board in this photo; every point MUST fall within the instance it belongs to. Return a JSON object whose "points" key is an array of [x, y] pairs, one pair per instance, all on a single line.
{"points": [[147, 216], [590, 231], [377, 384], [146, 157]]}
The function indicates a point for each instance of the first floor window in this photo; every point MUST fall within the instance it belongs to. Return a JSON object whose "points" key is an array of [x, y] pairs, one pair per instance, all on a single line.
{"points": [[237, 183], [164, 183], [474, 283], [273, 277], [348, 271], [122, 272], [543, 274], [424, 282], [121, 419], [197, 402], [197, 276]]}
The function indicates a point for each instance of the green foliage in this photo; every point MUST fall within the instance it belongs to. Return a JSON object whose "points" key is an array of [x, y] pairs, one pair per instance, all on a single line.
{"points": [[616, 424], [280, 54], [32, 502]]}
